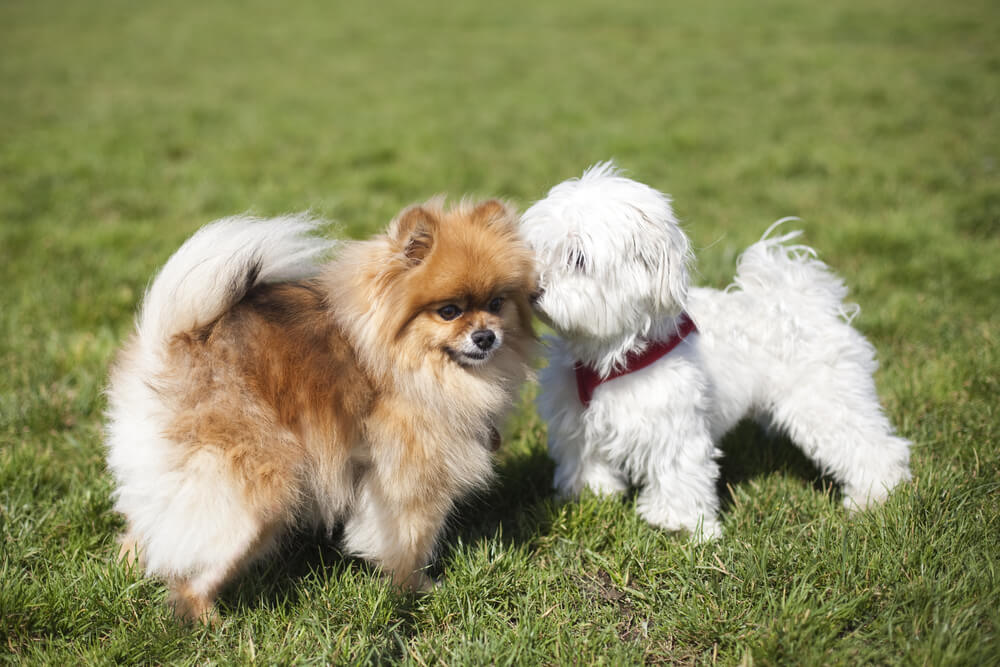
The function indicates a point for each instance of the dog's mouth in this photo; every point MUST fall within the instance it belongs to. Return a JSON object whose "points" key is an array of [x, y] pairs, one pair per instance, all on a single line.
{"points": [[468, 358]]}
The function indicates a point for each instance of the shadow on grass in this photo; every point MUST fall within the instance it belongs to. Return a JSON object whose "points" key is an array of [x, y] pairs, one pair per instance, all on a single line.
{"points": [[277, 581], [514, 509], [517, 510], [751, 451]]}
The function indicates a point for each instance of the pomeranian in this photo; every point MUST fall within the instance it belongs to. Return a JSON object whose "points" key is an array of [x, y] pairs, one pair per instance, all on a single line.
{"points": [[264, 389]]}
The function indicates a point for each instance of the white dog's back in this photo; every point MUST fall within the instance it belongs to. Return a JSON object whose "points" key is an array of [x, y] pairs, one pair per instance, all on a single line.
{"points": [[778, 344], [783, 316]]}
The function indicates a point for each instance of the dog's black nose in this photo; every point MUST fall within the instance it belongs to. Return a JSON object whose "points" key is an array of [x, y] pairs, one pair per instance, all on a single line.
{"points": [[484, 338]]}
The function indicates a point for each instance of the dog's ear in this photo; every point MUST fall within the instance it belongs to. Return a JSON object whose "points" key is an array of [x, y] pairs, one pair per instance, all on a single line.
{"points": [[494, 212], [413, 232], [672, 274]]}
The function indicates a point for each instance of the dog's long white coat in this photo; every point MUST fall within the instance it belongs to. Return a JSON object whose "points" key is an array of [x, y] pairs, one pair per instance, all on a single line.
{"points": [[777, 345]]}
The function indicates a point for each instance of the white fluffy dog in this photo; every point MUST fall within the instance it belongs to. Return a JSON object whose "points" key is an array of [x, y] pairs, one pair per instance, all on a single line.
{"points": [[648, 374]]}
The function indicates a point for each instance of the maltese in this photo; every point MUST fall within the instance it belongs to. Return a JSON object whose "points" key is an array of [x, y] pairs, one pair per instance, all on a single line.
{"points": [[648, 373]]}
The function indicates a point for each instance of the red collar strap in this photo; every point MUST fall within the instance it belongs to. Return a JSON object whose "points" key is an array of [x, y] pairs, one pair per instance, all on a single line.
{"points": [[587, 378]]}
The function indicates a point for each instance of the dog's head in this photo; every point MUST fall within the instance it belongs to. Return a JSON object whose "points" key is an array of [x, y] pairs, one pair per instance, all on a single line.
{"points": [[611, 257], [465, 275]]}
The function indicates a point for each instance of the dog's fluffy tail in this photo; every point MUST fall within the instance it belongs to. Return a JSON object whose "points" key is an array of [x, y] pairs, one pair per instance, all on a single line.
{"points": [[773, 268], [217, 266]]}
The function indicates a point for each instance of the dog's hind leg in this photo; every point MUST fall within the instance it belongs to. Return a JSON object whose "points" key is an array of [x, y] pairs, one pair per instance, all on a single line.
{"points": [[192, 598], [213, 520], [836, 419], [128, 549]]}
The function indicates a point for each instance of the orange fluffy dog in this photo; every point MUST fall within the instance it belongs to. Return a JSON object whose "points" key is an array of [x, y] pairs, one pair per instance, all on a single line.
{"points": [[262, 391]]}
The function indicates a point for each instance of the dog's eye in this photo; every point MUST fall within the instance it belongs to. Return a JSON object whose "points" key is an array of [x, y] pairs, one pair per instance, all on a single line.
{"points": [[449, 312], [576, 259], [496, 304]]}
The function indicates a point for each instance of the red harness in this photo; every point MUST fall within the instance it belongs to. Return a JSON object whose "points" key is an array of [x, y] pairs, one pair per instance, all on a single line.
{"points": [[587, 378]]}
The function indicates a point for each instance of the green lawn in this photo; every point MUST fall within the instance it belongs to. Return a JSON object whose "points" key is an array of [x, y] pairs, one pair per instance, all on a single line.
{"points": [[124, 126]]}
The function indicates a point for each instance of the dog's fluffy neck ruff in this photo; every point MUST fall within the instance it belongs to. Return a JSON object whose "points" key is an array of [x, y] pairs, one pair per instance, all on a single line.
{"points": [[610, 355]]}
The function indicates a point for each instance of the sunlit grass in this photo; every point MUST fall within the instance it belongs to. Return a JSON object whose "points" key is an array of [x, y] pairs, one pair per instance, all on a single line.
{"points": [[124, 127]]}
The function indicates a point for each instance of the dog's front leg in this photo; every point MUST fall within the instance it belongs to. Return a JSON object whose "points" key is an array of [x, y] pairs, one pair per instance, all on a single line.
{"points": [[593, 471], [396, 531], [679, 492]]}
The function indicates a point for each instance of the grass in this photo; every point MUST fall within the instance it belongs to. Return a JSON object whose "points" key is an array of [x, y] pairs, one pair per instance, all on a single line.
{"points": [[124, 127]]}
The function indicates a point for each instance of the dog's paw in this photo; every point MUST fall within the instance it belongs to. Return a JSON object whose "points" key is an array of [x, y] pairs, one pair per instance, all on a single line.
{"points": [[190, 608], [706, 531], [423, 583], [128, 551], [859, 499], [700, 523], [604, 481]]}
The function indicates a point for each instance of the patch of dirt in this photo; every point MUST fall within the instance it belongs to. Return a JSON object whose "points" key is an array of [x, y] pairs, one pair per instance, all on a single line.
{"points": [[601, 588]]}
